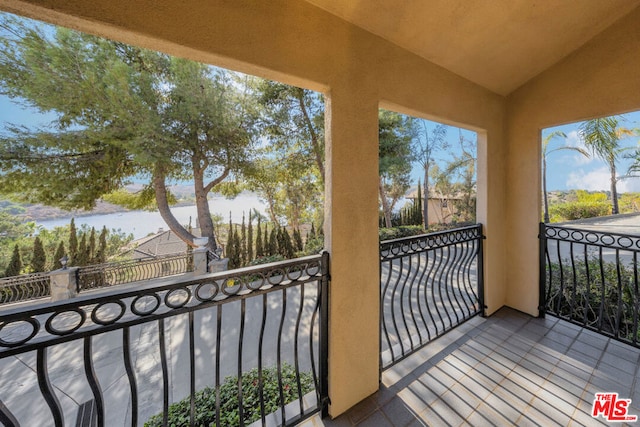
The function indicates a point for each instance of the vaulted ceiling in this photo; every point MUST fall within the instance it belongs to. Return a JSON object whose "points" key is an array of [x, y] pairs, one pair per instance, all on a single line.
{"points": [[498, 44]]}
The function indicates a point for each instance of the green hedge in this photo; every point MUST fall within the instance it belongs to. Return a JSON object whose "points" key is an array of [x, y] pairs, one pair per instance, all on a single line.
{"points": [[205, 399]]}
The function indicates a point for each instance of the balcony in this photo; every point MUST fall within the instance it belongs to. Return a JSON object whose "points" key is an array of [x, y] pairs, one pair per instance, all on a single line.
{"points": [[506, 369], [119, 356]]}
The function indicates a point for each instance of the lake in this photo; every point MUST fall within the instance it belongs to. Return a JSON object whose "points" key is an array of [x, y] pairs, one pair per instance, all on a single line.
{"points": [[142, 223]]}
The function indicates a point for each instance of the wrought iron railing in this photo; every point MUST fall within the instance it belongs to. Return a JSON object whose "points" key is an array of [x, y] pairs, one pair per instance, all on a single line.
{"points": [[117, 273], [224, 349], [429, 285], [24, 287], [591, 278]]}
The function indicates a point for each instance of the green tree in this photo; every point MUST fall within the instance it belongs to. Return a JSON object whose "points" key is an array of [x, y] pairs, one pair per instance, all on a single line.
{"points": [[545, 152], [395, 133], [101, 253], [425, 147], [82, 258], [243, 242], [15, 265], [294, 120], [297, 239], [91, 246], [602, 138], [259, 246], [273, 242], [38, 258], [121, 111], [73, 241], [57, 264], [250, 239], [463, 168]]}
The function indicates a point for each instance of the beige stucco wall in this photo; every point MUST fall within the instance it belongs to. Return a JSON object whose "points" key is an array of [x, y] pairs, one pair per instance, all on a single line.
{"points": [[295, 42], [602, 78]]}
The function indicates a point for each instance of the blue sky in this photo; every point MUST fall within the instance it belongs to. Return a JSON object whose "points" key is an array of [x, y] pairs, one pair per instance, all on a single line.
{"points": [[569, 170]]}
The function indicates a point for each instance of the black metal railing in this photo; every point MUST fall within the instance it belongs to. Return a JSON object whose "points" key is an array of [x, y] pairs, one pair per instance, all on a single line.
{"points": [[231, 348], [429, 285], [24, 287], [591, 278], [117, 273]]}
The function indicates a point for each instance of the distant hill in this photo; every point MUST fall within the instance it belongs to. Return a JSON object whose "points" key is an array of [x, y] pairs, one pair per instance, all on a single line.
{"points": [[37, 212]]}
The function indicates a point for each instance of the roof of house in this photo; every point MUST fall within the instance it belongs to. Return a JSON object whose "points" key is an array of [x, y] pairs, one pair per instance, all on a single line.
{"points": [[161, 243]]}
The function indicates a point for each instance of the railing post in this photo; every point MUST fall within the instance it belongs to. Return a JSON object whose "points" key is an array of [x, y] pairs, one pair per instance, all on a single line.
{"points": [[481, 238], [63, 283], [324, 336], [542, 239]]}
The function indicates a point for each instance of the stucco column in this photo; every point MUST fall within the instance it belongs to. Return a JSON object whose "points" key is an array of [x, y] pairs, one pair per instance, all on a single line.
{"points": [[351, 237]]}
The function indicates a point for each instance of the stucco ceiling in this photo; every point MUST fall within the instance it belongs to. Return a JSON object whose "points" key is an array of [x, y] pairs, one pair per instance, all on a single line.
{"points": [[498, 44]]}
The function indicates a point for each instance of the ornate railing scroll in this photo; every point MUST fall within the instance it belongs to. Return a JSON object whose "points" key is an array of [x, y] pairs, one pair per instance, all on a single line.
{"points": [[24, 287], [591, 278], [137, 351], [429, 284], [116, 273]]}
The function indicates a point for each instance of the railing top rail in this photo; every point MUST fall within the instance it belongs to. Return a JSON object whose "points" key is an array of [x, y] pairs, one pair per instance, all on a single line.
{"points": [[8, 281], [129, 263], [406, 245], [167, 284], [56, 323], [604, 239]]}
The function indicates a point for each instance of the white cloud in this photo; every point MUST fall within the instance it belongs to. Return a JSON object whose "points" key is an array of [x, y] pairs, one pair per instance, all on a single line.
{"points": [[595, 180], [599, 180], [630, 185]]}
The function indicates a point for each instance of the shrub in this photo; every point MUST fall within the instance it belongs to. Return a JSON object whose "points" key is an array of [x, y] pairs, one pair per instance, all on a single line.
{"points": [[602, 296], [205, 399], [401, 231], [578, 210]]}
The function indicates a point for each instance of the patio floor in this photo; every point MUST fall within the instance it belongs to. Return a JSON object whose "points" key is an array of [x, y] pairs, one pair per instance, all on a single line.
{"points": [[508, 369]]}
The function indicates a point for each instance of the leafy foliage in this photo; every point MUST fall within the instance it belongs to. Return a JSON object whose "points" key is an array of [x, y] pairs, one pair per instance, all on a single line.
{"points": [[602, 296], [253, 389], [581, 205]]}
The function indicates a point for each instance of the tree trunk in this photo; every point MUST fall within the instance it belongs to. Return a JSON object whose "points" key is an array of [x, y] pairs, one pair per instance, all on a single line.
{"points": [[614, 189], [204, 213], [385, 205], [544, 190], [425, 206], [165, 212], [315, 144]]}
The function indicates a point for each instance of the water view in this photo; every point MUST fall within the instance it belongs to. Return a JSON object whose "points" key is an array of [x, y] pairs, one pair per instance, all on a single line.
{"points": [[143, 223]]}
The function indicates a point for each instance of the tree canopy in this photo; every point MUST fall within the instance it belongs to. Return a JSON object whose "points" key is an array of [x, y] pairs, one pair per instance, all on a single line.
{"points": [[122, 113]]}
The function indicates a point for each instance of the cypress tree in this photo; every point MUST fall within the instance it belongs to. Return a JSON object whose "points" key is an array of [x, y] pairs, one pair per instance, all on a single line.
{"points": [[288, 251], [238, 262], [58, 255], [101, 254], [15, 265], [273, 242], [419, 207], [91, 248], [297, 238], [229, 248], [39, 258], [249, 240], [243, 242], [266, 246], [82, 257], [73, 242], [259, 250]]}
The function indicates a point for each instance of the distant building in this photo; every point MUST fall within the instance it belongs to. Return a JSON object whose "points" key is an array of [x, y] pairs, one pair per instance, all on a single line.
{"points": [[159, 244], [441, 209]]}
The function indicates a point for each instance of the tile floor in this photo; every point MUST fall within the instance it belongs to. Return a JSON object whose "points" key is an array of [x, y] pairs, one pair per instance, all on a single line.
{"points": [[506, 370]]}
